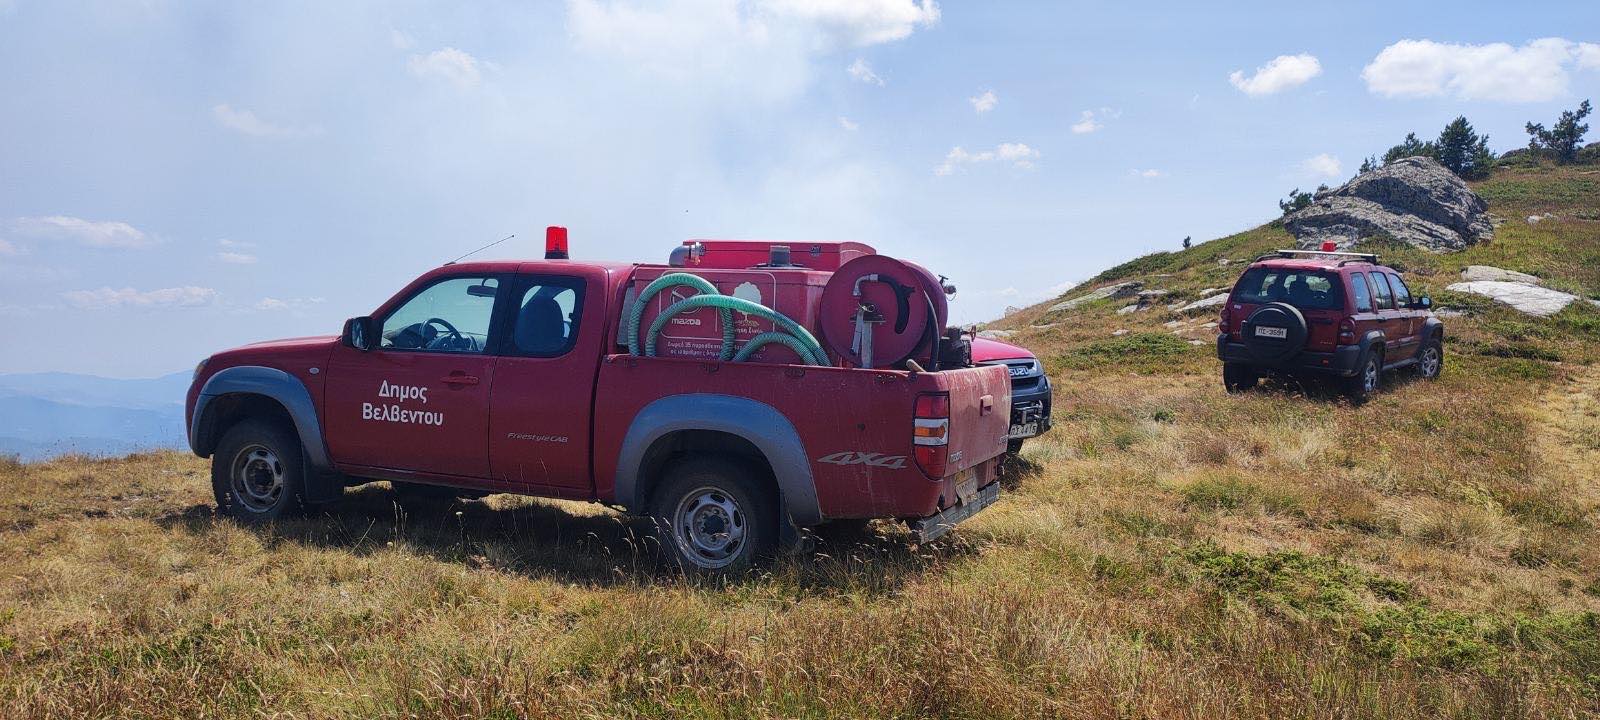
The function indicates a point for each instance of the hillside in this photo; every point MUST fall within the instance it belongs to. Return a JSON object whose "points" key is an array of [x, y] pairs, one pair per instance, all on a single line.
{"points": [[1168, 551]]}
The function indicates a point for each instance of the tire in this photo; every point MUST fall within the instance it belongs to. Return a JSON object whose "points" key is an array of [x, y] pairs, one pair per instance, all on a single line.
{"points": [[1369, 376], [1238, 377], [1430, 359], [1283, 316], [715, 515], [257, 475]]}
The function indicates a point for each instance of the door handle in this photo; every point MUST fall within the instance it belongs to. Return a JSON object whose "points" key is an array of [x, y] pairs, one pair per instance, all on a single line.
{"points": [[459, 379]]}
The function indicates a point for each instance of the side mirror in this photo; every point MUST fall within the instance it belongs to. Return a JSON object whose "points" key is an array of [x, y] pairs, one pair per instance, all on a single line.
{"points": [[359, 333], [1424, 302]]}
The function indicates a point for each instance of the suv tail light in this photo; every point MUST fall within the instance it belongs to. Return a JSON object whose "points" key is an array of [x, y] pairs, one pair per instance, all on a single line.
{"points": [[1347, 332], [930, 433], [1223, 321]]}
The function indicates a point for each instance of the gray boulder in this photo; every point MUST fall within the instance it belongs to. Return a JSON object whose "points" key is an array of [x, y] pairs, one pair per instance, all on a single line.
{"points": [[1119, 290], [1522, 297], [1415, 200], [1490, 272], [1204, 303]]}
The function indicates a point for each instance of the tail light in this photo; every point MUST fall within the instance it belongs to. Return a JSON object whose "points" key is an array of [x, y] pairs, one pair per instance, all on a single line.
{"points": [[1347, 332], [1224, 320], [930, 433]]}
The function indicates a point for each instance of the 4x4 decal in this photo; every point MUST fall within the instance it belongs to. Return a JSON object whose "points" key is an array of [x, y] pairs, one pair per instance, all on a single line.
{"points": [[851, 457]]}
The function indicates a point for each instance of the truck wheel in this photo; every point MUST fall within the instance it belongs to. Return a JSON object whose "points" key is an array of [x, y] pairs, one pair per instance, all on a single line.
{"points": [[715, 515], [1369, 374], [1430, 359], [1238, 377], [256, 472]]}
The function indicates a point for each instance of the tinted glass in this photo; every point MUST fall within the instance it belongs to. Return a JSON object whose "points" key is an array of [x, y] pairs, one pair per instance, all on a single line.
{"points": [[1308, 289], [1381, 290], [448, 316], [1358, 286], [546, 324], [1402, 296]]}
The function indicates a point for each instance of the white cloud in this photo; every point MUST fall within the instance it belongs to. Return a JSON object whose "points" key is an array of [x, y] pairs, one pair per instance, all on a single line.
{"points": [[449, 65], [1323, 165], [855, 22], [100, 234], [848, 124], [985, 102], [270, 303], [236, 258], [1148, 174], [1279, 74], [107, 298], [225, 242], [1017, 154], [1535, 72], [247, 122], [860, 70], [1092, 120]]}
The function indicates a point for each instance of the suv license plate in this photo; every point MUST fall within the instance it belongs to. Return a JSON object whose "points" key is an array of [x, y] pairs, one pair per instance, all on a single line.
{"points": [[1025, 430], [1272, 332]]}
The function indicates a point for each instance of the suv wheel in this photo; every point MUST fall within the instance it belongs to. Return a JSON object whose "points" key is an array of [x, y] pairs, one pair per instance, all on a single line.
{"points": [[1430, 359], [715, 515], [1369, 375], [256, 472], [1238, 377]]}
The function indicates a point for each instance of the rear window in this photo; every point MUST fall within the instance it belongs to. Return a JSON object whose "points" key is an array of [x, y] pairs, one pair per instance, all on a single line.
{"points": [[1308, 289]]}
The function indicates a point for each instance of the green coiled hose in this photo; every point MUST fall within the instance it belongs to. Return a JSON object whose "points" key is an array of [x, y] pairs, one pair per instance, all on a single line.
{"points": [[794, 336], [678, 280]]}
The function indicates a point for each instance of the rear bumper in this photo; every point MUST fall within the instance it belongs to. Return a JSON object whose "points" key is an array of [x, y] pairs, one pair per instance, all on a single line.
{"points": [[1342, 361], [936, 525]]}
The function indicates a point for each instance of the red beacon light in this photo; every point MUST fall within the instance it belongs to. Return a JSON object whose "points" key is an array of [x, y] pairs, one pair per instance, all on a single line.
{"points": [[555, 243], [1327, 245]]}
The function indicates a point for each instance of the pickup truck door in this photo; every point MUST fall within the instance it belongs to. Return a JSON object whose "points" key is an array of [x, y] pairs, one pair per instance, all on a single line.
{"points": [[541, 412], [419, 401]]}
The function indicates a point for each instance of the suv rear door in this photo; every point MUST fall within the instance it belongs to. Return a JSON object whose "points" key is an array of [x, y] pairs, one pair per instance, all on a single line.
{"points": [[1391, 319]]}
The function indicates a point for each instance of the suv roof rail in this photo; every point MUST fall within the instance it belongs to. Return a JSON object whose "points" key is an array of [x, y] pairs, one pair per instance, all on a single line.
{"points": [[1349, 257]]}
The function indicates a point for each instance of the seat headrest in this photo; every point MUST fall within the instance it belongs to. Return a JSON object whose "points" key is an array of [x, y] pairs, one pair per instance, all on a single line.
{"points": [[540, 328]]}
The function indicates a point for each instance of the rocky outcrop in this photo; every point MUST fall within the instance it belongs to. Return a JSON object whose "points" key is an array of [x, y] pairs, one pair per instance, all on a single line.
{"points": [[1522, 297], [1119, 290], [1205, 303], [1519, 290], [1415, 200]]}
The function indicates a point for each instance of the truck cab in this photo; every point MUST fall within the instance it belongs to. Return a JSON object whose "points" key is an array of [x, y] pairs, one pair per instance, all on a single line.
{"points": [[527, 377]]}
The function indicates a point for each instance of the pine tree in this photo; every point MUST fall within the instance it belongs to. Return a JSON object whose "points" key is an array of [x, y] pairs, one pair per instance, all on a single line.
{"points": [[1186, 242], [1411, 147], [1463, 151], [1562, 141], [1368, 165]]}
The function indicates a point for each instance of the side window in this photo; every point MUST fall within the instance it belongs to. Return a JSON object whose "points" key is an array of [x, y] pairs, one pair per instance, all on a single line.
{"points": [[1380, 290], [1358, 285], [546, 322], [1402, 296], [451, 315]]}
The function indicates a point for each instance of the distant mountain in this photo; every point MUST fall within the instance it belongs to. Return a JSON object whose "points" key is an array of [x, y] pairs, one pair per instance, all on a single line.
{"points": [[47, 414]]}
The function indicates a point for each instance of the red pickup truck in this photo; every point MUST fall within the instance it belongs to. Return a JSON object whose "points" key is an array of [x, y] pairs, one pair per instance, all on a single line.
{"points": [[517, 377]]}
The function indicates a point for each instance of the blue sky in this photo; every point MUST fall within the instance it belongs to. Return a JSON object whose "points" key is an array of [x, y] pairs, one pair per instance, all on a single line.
{"points": [[177, 178]]}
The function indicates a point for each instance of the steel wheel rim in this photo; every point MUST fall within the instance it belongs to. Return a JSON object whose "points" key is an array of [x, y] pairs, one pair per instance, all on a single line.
{"points": [[710, 527], [1430, 361], [257, 478], [1369, 376]]}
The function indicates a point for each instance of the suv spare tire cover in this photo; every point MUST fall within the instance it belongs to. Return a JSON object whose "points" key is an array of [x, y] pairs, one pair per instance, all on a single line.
{"points": [[1279, 315]]}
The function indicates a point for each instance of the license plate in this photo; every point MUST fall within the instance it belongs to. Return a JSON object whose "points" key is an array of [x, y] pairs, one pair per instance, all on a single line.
{"points": [[1025, 430], [1271, 332], [967, 487]]}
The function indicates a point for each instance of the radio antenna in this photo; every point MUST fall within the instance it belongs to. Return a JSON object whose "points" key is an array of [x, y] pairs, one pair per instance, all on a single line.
{"points": [[479, 250]]}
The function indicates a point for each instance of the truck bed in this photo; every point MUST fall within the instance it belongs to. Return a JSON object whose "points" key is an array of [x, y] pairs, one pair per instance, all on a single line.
{"points": [[856, 424]]}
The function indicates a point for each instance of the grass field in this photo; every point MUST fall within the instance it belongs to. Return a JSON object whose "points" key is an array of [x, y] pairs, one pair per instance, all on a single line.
{"points": [[1167, 551]]}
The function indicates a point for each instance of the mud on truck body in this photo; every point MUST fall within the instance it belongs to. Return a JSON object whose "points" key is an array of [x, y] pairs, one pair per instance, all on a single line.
{"points": [[696, 392]]}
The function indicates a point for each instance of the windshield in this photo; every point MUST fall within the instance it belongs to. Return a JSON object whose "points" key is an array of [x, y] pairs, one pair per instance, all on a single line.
{"points": [[1306, 289]]}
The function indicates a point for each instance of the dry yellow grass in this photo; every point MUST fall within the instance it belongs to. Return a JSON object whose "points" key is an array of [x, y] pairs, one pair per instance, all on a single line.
{"points": [[1167, 551]]}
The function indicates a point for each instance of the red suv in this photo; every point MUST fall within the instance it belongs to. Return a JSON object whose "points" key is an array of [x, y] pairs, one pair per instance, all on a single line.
{"points": [[1302, 312]]}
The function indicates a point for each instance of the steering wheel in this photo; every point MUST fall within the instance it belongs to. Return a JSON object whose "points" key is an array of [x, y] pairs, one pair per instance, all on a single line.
{"points": [[441, 322]]}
